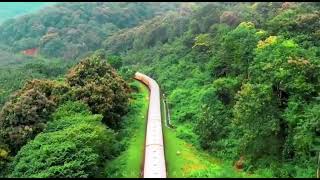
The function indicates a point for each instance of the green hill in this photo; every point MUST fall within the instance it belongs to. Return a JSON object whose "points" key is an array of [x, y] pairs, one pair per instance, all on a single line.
{"points": [[241, 80]]}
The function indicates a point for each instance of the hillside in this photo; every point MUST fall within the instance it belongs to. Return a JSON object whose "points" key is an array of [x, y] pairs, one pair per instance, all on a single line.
{"points": [[240, 81], [61, 33], [68, 30]]}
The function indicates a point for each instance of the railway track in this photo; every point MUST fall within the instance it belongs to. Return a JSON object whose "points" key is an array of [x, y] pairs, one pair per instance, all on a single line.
{"points": [[154, 159]]}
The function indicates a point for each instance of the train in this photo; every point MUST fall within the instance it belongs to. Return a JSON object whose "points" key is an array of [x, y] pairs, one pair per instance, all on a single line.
{"points": [[154, 157]]}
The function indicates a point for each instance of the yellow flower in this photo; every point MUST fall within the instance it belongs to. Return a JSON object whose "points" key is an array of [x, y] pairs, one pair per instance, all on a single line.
{"points": [[3, 154], [269, 41], [246, 25]]}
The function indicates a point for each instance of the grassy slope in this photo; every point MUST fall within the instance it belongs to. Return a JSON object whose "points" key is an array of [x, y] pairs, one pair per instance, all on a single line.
{"points": [[130, 162], [182, 159]]}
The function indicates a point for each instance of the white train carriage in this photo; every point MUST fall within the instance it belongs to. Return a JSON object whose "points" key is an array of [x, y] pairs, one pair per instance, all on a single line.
{"points": [[154, 162]]}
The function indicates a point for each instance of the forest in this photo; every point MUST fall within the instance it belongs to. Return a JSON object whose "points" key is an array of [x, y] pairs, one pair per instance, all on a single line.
{"points": [[241, 80]]}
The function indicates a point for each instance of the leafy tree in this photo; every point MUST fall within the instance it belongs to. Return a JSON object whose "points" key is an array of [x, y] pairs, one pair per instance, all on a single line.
{"points": [[257, 121], [229, 18], [115, 61], [4, 159], [303, 139], [96, 83], [238, 46], [202, 42], [289, 68], [74, 150], [52, 48], [217, 115], [26, 114]]}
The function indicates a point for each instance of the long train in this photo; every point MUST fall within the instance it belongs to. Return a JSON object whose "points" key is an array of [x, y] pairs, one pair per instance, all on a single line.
{"points": [[154, 159]]}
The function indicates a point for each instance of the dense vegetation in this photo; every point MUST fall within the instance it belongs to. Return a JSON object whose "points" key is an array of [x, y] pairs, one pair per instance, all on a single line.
{"points": [[97, 83], [70, 30], [244, 75], [16, 69], [74, 144], [242, 82], [131, 136], [62, 118]]}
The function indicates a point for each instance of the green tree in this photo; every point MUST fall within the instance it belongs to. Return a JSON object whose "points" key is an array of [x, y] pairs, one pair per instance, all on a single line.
{"points": [[285, 65], [75, 149], [215, 122], [115, 61], [257, 121], [26, 114], [237, 48], [97, 83], [303, 142]]}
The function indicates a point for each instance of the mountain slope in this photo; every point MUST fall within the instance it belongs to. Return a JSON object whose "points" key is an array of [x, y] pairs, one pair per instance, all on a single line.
{"points": [[68, 30], [242, 80]]}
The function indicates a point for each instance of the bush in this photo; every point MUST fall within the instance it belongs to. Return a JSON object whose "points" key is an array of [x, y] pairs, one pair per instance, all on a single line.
{"points": [[4, 159], [77, 149], [226, 171], [186, 133], [69, 114], [215, 122], [115, 61], [257, 121], [26, 114]]}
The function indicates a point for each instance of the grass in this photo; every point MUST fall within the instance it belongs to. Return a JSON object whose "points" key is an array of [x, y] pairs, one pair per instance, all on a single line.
{"points": [[181, 157], [184, 160], [129, 164]]}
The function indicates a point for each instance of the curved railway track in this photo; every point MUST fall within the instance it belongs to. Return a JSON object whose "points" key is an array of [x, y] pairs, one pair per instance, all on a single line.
{"points": [[154, 159]]}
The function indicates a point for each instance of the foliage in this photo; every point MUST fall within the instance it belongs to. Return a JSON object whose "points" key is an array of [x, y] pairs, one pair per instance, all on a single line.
{"points": [[237, 48], [290, 68], [216, 117], [241, 79], [229, 18], [96, 83], [115, 61], [242, 76], [4, 159], [17, 69], [256, 118], [74, 150], [202, 41], [68, 30], [303, 122], [131, 137], [26, 114]]}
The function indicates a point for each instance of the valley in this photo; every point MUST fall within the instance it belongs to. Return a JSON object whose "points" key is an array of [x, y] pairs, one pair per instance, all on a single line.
{"points": [[239, 88]]}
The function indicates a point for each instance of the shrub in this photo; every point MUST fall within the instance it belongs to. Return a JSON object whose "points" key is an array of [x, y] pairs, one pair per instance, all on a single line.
{"points": [[215, 121], [257, 121], [26, 114], [77, 149]]}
